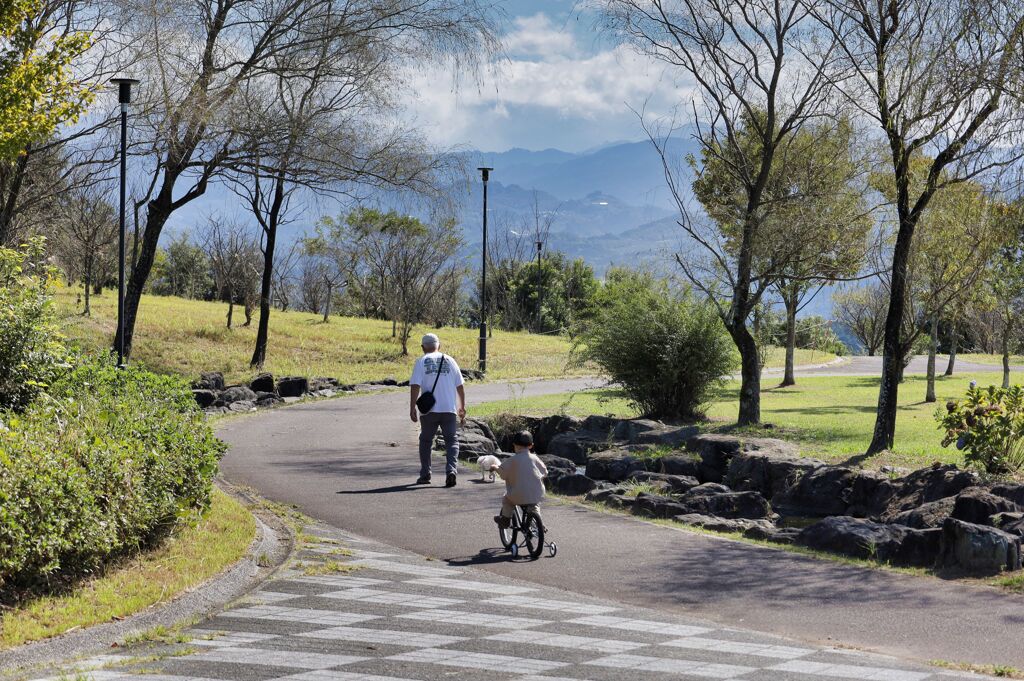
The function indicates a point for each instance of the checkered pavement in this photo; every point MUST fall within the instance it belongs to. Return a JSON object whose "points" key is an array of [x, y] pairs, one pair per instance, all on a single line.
{"points": [[396, 616]]}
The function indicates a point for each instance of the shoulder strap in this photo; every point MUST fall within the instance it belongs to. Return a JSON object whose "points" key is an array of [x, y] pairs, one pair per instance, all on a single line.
{"points": [[438, 374]]}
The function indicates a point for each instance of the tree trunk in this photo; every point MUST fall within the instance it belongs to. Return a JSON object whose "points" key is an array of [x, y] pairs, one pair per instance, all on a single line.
{"points": [[394, 328], [750, 377], [156, 216], [247, 307], [933, 348], [259, 354], [791, 303], [231, 310], [952, 351], [7, 211], [1006, 358], [327, 303], [87, 312]]}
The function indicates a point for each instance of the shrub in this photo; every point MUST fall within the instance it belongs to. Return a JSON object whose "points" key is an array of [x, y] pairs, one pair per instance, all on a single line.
{"points": [[669, 353], [30, 347], [988, 426], [104, 463]]}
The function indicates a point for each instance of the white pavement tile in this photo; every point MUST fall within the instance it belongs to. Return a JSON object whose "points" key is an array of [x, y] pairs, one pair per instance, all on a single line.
{"points": [[276, 658], [405, 568], [335, 675], [672, 666], [740, 648], [536, 603], [212, 638], [476, 619], [271, 596], [307, 615], [467, 585], [346, 581], [391, 598], [546, 638], [849, 671], [398, 638], [649, 626], [494, 663]]}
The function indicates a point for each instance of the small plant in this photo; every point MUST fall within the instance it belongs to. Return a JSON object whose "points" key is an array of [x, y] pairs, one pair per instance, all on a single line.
{"points": [[328, 568], [988, 426], [634, 488]]}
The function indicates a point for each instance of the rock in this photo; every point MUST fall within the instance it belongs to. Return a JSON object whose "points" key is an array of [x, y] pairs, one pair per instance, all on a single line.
{"points": [[323, 383], [204, 397], [471, 374], [658, 506], [864, 494], [600, 424], [862, 538], [678, 484], [1012, 523], [292, 386], [920, 487], [480, 427], [212, 380], [681, 464], [714, 524], [573, 484], [613, 466], [242, 406], [767, 472], [667, 436], [471, 445], [977, 549], [557, 463], [750, 505], [1014, 493], [265, 399], [778, 535], [263, 383], [929, 516], [716, 451], [708, 489], [602, 491], [577, 446], [975, 505], [629, 429], [237, 393], [619, 501], [819, 491], [550, 427]]}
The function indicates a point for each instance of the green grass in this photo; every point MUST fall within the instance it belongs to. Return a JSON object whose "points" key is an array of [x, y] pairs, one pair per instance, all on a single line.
{"points": [[979, 358], [189, 557], [830, 417]]}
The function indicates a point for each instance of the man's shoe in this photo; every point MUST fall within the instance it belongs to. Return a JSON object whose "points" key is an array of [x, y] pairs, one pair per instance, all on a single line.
{"points": [[423, 480], [503, 522], [449, 480]]}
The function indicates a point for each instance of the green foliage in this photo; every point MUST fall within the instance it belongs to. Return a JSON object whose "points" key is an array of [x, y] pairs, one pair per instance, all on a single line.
{"points": [[183, 269], [988, 425], [669, 352], [30, 346], [104, 463]]}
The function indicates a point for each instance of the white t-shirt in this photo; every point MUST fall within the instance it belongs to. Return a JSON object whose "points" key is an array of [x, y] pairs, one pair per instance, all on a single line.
{"points": [[425, 371]]}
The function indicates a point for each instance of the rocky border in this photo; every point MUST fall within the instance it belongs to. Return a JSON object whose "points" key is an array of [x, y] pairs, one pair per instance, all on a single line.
{"points": [[935, 517], [272, 547]]}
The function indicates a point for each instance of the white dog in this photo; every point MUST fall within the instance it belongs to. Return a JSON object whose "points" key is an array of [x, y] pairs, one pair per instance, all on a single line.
{"points": [[485, 463]]}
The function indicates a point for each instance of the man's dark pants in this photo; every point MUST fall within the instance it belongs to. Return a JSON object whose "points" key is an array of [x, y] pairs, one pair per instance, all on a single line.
{"points": [[429, 424]]}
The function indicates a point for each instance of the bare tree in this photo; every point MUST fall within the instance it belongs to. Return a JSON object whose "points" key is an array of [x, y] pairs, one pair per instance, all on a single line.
{"points": [[757, 89], [862, 310], [934, 78], [235, 263], [86, 235], [284, 275]]}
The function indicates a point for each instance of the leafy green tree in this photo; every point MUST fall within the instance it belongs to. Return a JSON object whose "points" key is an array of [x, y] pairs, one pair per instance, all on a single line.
{"points": [[184, 271], [1003, 284]]}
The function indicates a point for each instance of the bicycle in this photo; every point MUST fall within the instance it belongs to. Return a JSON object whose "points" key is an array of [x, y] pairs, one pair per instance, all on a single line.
{"points": [[526, 522]]}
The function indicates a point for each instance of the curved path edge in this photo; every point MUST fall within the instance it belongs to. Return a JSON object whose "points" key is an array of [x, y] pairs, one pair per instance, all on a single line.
{"points": [[269, 551]]}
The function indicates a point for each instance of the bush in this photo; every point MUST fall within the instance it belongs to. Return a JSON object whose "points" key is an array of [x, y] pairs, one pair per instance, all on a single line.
{"points": [[104, 463], [669, 353], [988, 426], [30, 347]]}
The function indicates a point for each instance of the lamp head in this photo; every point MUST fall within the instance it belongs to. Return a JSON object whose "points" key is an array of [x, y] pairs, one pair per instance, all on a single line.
{"points": [[485, 173], [124, 89]]}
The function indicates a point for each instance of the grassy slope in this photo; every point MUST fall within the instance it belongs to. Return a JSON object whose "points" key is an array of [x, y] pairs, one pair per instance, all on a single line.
{"points": [[188, 558], [187, 337], [831, 417]]}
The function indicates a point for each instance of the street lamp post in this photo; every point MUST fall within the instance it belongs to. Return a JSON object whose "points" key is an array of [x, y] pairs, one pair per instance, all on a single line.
{"points": [[540, 290], [485, 175], [124, 96]]}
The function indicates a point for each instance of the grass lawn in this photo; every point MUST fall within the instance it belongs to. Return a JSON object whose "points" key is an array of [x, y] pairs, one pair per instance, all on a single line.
{"points": [[179, 336], [186, 559], [979, 358], [831, 417]]}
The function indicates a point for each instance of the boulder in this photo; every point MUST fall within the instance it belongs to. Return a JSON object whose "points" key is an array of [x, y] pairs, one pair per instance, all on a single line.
{"points": [[681, 464], [480, 427], [920, 487], [602, 491], [619, 501], [324, 383], [717, 451], [471, 374], [666, 436], [977, 549], [472, 445], [658, 506], [864, 498], [678, 484], [977, 506], [577, 445], [1014, 493], [708, 489], [557, 463], [550, 427], [715, 524], [292, 386], [573, 484], [750, 505], [929, 516], [767, 472], [600, 424], [819, 491], [629, 429], [1010, 522], [242, 406], [237, 393], [613, 466], [778, 535], [263, 383], [265, 399], [212, 380], [204, 398], [862, 538]]}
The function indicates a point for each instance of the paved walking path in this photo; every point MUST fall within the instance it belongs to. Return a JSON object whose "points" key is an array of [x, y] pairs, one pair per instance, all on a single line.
{"points": [[398, 616]]}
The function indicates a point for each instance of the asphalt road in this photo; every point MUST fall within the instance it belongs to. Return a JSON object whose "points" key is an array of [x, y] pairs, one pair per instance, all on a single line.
{"points": [[349, 462]]}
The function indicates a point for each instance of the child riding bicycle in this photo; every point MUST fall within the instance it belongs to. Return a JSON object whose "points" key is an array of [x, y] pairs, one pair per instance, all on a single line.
{"points": [[523, 474]]}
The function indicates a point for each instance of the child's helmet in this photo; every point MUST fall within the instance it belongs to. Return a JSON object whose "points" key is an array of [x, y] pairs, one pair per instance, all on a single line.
{"points": [[523, 439]]}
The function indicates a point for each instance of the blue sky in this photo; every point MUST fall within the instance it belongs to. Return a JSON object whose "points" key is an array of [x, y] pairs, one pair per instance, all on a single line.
{"points": [[561, 85]]}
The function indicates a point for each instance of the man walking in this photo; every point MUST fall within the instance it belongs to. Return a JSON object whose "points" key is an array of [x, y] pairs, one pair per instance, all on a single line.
{"points": [[439, 375]]}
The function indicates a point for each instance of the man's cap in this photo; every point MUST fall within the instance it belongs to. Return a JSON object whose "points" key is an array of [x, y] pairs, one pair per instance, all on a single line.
{"points": [[431, 339], [523, 438]]}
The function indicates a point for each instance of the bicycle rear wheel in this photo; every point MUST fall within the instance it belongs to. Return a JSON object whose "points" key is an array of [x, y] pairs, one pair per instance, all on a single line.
{"points": [[533, 534]]}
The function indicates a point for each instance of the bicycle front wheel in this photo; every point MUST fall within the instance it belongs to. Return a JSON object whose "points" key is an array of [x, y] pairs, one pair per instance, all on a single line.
{"points": [[509, 535], [533, 534]]}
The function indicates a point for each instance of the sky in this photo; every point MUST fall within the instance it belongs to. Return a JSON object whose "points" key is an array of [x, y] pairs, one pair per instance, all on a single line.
{"points": [[560, 84]]}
